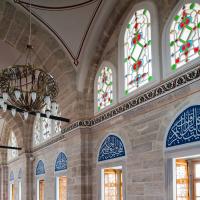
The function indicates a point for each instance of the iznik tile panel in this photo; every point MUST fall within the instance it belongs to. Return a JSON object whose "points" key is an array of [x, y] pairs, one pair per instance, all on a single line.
{"points": [[186, 128], [111, 148], [40, 168], [61, 162]]}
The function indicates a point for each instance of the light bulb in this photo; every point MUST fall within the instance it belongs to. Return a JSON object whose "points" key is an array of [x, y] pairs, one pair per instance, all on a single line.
{"points": [[25, 115], [4, 107], [5, 96], [48, 113], [17, 94], [37, 115], [13, 111], [33, 95], [47, 100]]}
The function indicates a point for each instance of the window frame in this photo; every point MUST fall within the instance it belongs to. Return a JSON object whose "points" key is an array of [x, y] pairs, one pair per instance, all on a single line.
{"points": [[151, 7], [103, 64], [166, 58], [195, 180], [40, 178], [106, 165], [58, 175]]}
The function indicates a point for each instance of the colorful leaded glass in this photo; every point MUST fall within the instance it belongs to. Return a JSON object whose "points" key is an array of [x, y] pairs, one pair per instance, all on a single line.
{"points": [[137, 51], [12, 142], [105, 88], [185, 35]]}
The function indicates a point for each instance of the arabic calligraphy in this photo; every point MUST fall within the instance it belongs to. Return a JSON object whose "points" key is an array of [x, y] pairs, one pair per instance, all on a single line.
{"points": [[186, 127], [61, 162], [111, 148]]}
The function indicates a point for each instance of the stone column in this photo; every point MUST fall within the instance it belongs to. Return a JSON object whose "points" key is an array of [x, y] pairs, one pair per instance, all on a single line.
{"points": [[4, 182], [29, 177]]}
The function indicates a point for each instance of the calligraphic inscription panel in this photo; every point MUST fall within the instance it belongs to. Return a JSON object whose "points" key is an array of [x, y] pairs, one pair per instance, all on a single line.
{"points": [[186, 128], [61, 162], [111, 148], [40, 168]]}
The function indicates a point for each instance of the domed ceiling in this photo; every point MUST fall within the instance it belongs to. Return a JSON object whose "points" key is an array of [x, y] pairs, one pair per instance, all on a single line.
{"points": [[69, 20]]}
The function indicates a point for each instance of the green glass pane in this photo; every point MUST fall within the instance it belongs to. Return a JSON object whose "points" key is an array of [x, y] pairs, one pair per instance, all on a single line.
{"points": [[173, 67], [126, 92], [192, 6], [125, 60], [128, 26], [198, 25], [149, 42], [150, 78], [171, 43], [176, 18]]}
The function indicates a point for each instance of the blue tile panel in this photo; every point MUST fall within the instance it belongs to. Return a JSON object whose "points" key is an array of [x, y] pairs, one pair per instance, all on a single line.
{"points": [[61, 162], [40, 168], [186, 128], [111, 148]]}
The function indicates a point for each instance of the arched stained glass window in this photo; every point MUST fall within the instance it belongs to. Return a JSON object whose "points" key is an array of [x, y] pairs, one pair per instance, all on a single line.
{"points": [[45, 128], [105, 88], [137, 51], [12, 142], [185, 35]]}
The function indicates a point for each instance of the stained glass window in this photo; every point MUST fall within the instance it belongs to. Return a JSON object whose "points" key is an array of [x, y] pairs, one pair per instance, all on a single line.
{"points": [[197, 180], [12, 142], [185, 35], [182, 180], [45, 128], [105, 88], [113, 184], [137, 51]]}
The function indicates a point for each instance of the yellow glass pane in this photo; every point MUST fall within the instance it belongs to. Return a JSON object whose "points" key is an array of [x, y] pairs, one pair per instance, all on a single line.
{"points": [[197, 170], [63, 188], [13, 192], [41, 190], [182, 180], [197, 189], [112, 184]]}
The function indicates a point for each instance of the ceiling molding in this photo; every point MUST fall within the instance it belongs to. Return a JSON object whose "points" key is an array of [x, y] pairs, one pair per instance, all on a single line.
{"points": [[53, 8], [75, 56]]}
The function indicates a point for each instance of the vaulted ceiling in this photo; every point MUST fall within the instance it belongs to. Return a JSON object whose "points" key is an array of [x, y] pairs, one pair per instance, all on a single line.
{"points": [[69, 21]]}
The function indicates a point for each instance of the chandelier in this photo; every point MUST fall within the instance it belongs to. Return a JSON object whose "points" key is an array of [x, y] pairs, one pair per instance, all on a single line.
{"points": [[27, 88]]}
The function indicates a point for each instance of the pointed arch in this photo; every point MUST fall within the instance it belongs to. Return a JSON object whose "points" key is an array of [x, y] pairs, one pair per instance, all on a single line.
{"points": [[61, 162], [40, 169], [111, 148], [181, 38], [105, 87], [138, 50], [185, 129], [12, 176]]}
